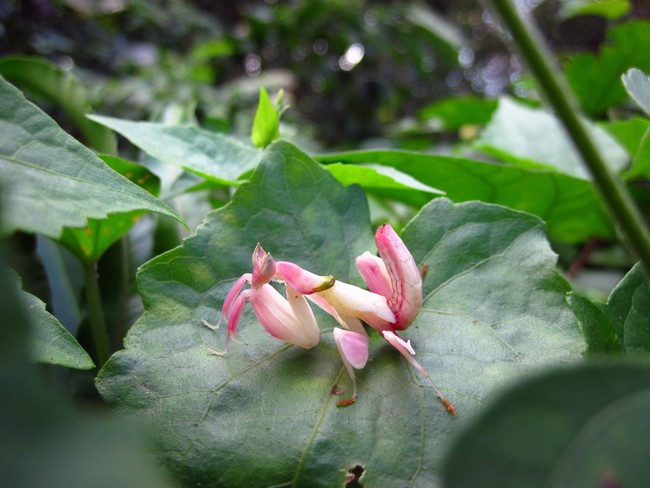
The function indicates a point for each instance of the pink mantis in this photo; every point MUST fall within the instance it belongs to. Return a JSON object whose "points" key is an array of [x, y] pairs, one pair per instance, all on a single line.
{"points": [[391, 305]]}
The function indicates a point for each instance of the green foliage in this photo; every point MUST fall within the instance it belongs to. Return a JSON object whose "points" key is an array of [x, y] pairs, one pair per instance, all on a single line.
{"points": [[50, 342], [610, 9], [622, 323], [595, 79], [629, 310], [534, 138], [597, 327], [384, 181], [494, 308], [47, 442], [568, 205], [90, 243], [582, 426], [503, 334], [50, 181], [215, 157], [48, 81], [266, 125], [637, 85], [453, 113]]}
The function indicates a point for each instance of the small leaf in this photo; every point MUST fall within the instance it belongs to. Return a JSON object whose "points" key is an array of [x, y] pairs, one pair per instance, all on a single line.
{"points": [[595, 79], [609, 9], [583, 426], [597, 328], [569, 206], [634, 135], [386, 181], [49, 341], [61, 87], [50, 181], [534, 138], [628, 308], [266, 126], [494, 309], [453, 113], [637, 85], [213, 156]]}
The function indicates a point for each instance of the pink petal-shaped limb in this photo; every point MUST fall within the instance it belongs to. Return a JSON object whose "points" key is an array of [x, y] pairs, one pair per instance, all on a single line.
{"points": [[347, 321], [353, 348], [234, 291], [303, 281], [404, 347], [263, 267], [406, 300], [291, 322], [235, 314], [373, 271], [353, 302]]}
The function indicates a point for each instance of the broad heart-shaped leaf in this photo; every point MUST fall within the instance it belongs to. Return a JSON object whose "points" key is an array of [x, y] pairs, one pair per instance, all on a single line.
{"points": [[595, 79], [50, 181], [530, 137], [265, 414], [583, 426], [47, 80], [213, 156], [49, 341], [568, 205]]}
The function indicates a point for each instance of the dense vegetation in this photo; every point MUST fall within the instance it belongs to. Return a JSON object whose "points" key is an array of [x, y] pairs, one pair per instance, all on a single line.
{"points": [[147, 147]]}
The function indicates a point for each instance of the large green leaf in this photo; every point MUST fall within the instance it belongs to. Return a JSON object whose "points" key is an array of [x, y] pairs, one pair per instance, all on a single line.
{"points": [[596, 79], [583, 426], [570, 206], [61, 87], [265, 414], [534, 138], [213, 156], [49, 341], [50, 181]]}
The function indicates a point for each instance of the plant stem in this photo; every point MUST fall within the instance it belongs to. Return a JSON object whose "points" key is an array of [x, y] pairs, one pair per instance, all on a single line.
{"points": [[96, 314], [556, 91]]}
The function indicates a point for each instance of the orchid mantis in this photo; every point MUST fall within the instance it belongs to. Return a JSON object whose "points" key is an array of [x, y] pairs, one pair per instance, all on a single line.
{"points": [[391, 305]]}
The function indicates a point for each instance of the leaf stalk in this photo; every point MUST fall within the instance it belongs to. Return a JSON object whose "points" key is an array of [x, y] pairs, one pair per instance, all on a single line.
{"points": [[96, 319]]}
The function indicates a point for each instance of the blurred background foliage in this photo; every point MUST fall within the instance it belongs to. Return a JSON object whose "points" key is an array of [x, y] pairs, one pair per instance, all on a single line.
{"points": [[353, 71]]}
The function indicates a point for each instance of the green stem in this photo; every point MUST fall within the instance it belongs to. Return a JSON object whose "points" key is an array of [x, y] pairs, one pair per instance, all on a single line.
{"points": [[96, 314], [556, 91]]}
